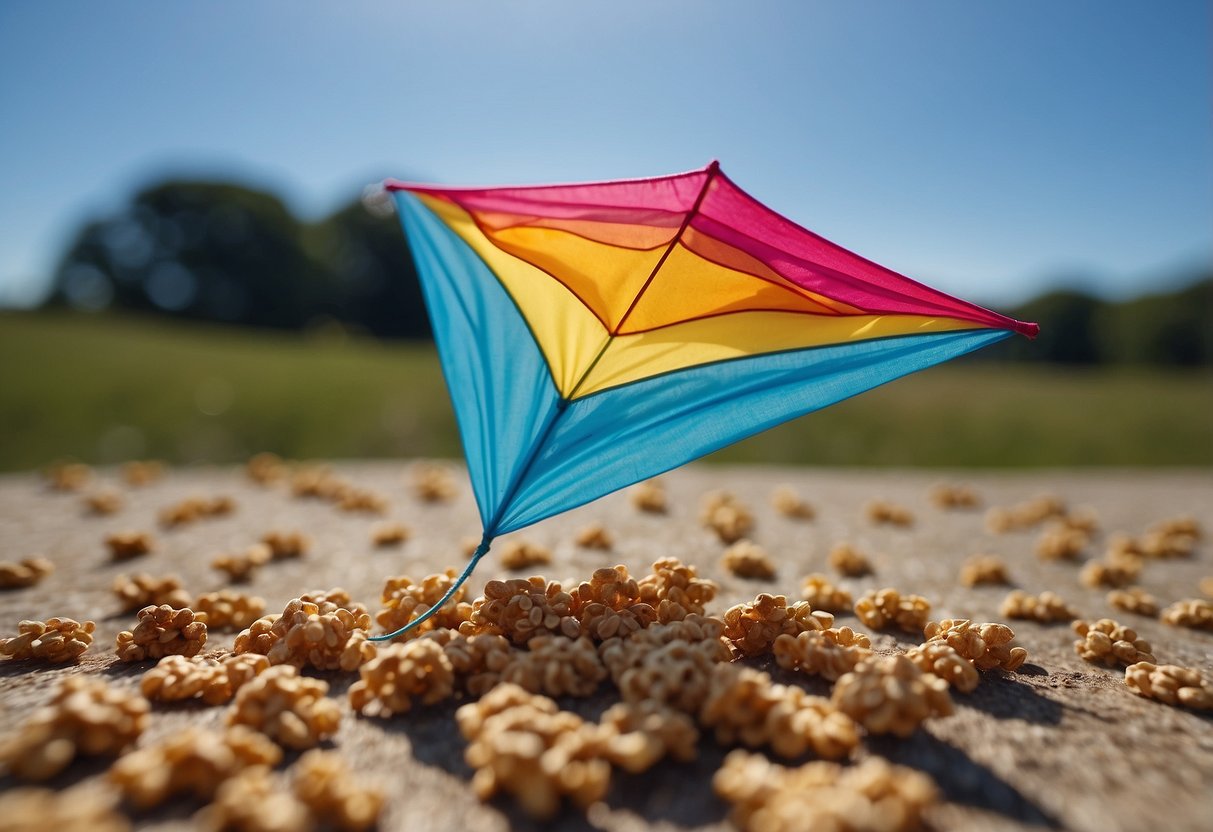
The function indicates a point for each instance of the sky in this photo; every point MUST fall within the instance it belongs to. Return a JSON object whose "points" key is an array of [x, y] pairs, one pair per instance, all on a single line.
{"points": [[992, 150]]}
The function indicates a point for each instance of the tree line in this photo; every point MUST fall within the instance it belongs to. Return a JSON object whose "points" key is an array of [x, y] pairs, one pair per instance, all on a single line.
{"points": [[224, 252]]}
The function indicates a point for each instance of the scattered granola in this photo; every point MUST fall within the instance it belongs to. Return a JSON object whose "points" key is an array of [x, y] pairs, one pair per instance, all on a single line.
{"points": [[724, 514], [252, 801], [266, 468], [1193, 613], [984, 570], [321, 630], [284, 544], [404, 600], [55, 640], [752, 628], [161, 631], [790, 504], [336, 797], [523, 554], [361, 500], [650, 497], [1107, 642], [140, 590], [434, 484], [609, 604], [823, 595], [229, 609], [1174, 538], [595, 536], [68, 476], [1171, 684], [242, 566], [521, 609], [193, 509], [213, 680], [943, 660], [1111, 573], [390, 534], [288, 708], [85, 717], [127, 545], [78, 809], [1206, 586], [883, 512], [747, 559], [1046, 608], [103, 503], [640, 734], [987, 646], [477, 660], [138, 473], [400, 674], [1134, 599], [1061, 542], [887, 607], [556, 666], [192, 762], [1025, 515], [947, 496], [891, 695], [670, 664], [848, 561], [24, 574], [675, 591], [827, 653]]}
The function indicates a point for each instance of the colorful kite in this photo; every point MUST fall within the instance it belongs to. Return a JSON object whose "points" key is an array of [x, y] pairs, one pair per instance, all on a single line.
{"points": [[595, 335]]}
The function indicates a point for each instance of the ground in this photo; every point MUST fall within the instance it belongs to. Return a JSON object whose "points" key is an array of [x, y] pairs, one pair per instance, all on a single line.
{"points": [[1062, 744]]}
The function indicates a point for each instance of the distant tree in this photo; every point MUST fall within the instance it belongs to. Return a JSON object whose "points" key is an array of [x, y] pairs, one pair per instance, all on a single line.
{"points": [[1175, 328], [1067, 329]]}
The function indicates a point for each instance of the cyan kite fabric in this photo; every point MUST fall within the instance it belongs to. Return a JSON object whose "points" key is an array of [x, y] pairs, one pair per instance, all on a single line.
{"points": [[595, 335]]}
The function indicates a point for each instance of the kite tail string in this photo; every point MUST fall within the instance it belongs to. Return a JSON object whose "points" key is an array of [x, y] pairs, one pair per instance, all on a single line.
{"points": [[480, 552]]}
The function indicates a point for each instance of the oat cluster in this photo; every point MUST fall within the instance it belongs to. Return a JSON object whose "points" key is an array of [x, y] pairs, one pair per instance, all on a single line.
{"points": [[1134, 599], [1171, 684], [987, 646], [434, 484], [1206, 586], [824, 595], [193, 509], [212, 680], [361, 501], [556, 666], [478, 660], [521, 609], [523, 554], [885, 513], [326, 631], [252, 801], [290, 709], [1193, 613], [55, 640], [103, 503], [140, 472], [404, 600], [848, 561], [390, 534], [943, 660], [417, 671], [891, 695], [1045, 608], [318, 482], [872, 796], [242, 566], [137, 591], [641, 734], [68, 476], [1173, 538], [284, 545], [1110, 573], [524, 745], [1061, 542], [609, 604], [85, 717], [595, 536], [127, 545], [78, 809], [650, 497], [668, 664], [752, 628], [747, 559], [984, 570], [335, 797], [675, 590], [788, 502], [24, 574], [192, 763], [266, 468], [727, 516], [229, 609], [828, 653], [161, 631], [948, 496], [1025, 515], [1107, 642], [880, 609], [745, 707]]}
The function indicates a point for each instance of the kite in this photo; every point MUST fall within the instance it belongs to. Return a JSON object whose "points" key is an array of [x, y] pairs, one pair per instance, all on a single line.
{"points": [[595, 335]]}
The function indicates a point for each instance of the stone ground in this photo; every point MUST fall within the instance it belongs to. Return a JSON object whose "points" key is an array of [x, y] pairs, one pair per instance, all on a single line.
{"points": [[1063, 744]]}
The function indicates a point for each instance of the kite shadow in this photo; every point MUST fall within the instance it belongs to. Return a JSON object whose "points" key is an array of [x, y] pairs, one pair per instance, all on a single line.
{"points": [[1007, 698]]}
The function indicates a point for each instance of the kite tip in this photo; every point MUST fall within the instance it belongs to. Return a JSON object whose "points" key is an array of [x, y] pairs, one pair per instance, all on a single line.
{"points": [[712, 166], [1028, 329], [377, 199]]}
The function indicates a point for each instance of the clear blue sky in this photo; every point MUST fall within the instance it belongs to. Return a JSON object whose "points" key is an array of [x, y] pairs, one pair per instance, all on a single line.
{"points": [[986, 148]]}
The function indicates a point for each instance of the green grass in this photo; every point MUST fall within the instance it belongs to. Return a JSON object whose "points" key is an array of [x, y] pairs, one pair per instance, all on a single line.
{"points": [[106, 388]]}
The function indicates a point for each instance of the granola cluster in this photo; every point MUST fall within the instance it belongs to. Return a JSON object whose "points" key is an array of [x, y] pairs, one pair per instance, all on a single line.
{"points": [[824, 595], [891, 695], [943, 660], [192, 762], [242, 566], [68, 476], [127, 545], [521, 609], [609, 604], [326, 631], [1025, 515], [55, 640], [949, 496], [1193, 613], [523, 554], [650, 497], [140, 472], [669, 664], [752, 628], [26, 573], [267, 468], [434, 484], [193, 509], [78, 809], [284, 545], [1107, 642], [290, 709], [1171, 684], [229, 609], [401, 674], [324, 784], [556, 666], [212, 680], [252, 801], [984, 570], [161, 631], [828, 653], [887, 607], [103, 503], [1134, 599], [747, 559], [987, 646], [885, 513], [595, 536], [390, 534], [675, 590], [1062, 542], [1045, 608], [727, 516], [788, 502], [85, 717], [137, 591], [404, 600], [1110, 573], [848, 561]]}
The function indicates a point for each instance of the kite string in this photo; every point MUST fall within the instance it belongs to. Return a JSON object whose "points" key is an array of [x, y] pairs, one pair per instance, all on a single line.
{"points": [[480, 552]]}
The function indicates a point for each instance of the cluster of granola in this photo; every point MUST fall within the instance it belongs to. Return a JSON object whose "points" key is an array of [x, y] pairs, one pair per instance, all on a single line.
{"points": [[883, 512], [641, 734], [26, 573], [140, 472], [675, 590], [85, 717], [103, 503], [326, 631], [192, 509], [1110, 573], [874, 795], [267, 468], [846, 560], [284, 545], [434, 484], [948, 496], [521, 609], [609, 604], [943, 660], [161, 631], [984, 570], [127, 545], [556, 666], [478, 660], [669, 664], [1134, 599], [192, 762], [887, 607], [1193, 613], [405, 600], [78, 809], [140, 590], [68, 476], [1107, 642], [242, 566], [987, 646], [824, 595], [55, 640], [335, 797], [523, 554], [228, 609], [390, 534], [1045, 608], [288, 708], [790, 504], [727, 516], [252, 801], [1171, 684], [1025, 515], [827, 653], [595, 536], [213, 680], [747, 559], [400, 674], [752, 628], [650, 497], [891, 695], [1062, 542]]}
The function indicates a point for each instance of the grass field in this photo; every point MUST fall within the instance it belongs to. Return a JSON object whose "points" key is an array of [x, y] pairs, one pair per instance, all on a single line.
{"points": [[102, 389]]}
